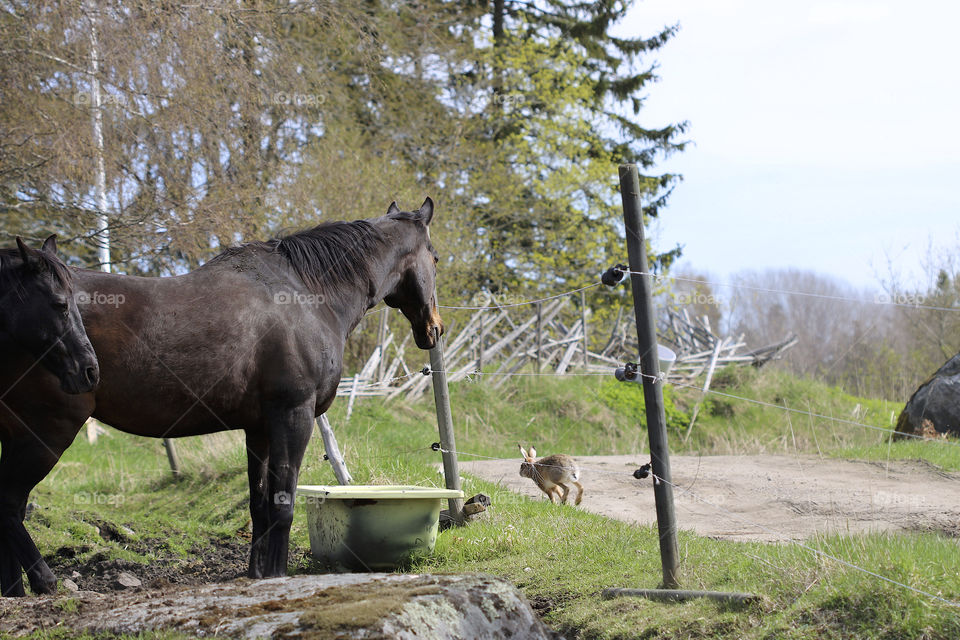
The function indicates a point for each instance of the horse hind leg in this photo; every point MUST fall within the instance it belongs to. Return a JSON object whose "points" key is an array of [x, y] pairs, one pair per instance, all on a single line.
{"points": [[258, 455], [289, 430]]}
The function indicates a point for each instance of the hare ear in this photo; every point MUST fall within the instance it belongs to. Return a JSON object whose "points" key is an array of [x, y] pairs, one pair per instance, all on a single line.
{"points": [[533, 452], [522, 452]]}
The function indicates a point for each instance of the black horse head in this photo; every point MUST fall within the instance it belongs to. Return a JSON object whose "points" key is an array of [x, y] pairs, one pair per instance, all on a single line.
{"points": [[38, 315], [416, 274], [391, 256]]}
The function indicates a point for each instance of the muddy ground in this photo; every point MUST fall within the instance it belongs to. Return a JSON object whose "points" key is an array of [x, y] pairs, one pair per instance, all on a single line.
{"points": [[218, 561], [766, 498]]}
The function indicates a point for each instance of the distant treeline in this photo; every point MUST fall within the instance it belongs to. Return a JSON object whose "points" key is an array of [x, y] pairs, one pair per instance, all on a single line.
{"points": [[883, 347]]}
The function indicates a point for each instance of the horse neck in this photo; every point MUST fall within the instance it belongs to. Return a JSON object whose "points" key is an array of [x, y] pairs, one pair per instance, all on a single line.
{"points": [[352, 302]]}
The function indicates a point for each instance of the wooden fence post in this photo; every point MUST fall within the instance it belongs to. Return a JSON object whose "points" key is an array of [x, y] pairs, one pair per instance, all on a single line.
{"points": [[441, 396], [650, 368], [172, 457]]}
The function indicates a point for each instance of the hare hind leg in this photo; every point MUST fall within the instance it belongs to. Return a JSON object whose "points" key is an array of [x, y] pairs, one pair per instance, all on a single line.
{"points": [[579, 492], [566, 492]]}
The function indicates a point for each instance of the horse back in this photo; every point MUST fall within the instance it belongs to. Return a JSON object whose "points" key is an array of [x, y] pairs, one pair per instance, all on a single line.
{"points": [[201, 352]]}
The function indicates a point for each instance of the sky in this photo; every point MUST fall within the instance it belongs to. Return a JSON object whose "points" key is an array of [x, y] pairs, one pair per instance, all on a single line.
{"points": [[825, 135]]}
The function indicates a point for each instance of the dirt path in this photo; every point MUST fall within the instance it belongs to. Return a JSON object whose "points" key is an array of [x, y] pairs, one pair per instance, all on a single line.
{"points": [[790, 497]]}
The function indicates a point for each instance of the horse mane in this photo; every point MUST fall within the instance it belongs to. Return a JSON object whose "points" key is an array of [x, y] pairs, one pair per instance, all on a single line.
{"points": [[10, 275], [333, 253], [327, 256]]}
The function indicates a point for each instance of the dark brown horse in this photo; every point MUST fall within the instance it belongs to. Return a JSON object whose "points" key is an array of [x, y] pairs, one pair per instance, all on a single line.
{"points": [[44, 357], [253, 340]]}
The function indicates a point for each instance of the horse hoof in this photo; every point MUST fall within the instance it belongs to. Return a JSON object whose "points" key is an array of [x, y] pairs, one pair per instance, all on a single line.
{"points": [[15, 592], [45, 587]]}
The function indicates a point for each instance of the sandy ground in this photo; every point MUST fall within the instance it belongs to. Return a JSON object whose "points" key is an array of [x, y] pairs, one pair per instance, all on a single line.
{"points": [[766, 498]]}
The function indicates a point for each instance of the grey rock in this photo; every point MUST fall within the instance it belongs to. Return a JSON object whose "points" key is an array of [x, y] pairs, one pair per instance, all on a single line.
{"points": [[128, 580], [70, 585], [934, 408], [368, 605]]}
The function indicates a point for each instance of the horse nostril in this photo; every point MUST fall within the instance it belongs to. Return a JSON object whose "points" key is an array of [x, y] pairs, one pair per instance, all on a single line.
{"points": [[92, 375]]}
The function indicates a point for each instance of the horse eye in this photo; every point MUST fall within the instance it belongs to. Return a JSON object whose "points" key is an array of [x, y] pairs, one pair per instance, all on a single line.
{"points": [[62, 307]]}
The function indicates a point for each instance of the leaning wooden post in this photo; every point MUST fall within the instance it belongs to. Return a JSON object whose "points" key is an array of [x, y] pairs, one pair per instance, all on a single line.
{"points": [[333, 451], [706, 387], [381, 340], [583, 321], [441, 395], [539, 333], [480, 347], [650, 368]]}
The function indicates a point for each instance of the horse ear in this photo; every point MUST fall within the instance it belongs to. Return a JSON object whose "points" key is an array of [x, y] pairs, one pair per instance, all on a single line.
{"points": [[27, 254], [393, 208], [24, 251], [50, 245], [426, 211]]}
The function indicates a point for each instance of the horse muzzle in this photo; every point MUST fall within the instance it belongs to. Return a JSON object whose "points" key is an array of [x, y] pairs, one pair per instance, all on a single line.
{"points": [[432, 329], [83, 379]]}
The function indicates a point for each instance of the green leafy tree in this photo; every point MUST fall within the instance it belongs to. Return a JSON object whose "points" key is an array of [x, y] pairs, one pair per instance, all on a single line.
{"points": [[558, 98]]}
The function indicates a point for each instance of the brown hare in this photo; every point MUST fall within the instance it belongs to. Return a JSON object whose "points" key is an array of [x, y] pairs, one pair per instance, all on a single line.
{"points": [[552, 474]]}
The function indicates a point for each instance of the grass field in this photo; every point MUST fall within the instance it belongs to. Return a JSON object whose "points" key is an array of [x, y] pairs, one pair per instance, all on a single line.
{"points": [[561, 557]]}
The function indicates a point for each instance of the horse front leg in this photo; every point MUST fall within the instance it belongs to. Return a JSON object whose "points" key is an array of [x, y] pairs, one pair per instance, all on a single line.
{"points": [[258, 454], [289, 429], [22, 465], [11, 575]]}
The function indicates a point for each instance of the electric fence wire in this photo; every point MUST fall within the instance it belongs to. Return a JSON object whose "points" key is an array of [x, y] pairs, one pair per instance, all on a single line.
{"points": [[733, 516], [892, 302], [523, 303], [733, 397], [730, 514]]}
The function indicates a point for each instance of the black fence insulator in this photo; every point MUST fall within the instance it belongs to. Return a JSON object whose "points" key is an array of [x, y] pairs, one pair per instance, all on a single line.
{"points": [[642, 472], [629, 372], [614, 275], [326, 457], [425, 371], [435, 446]]}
